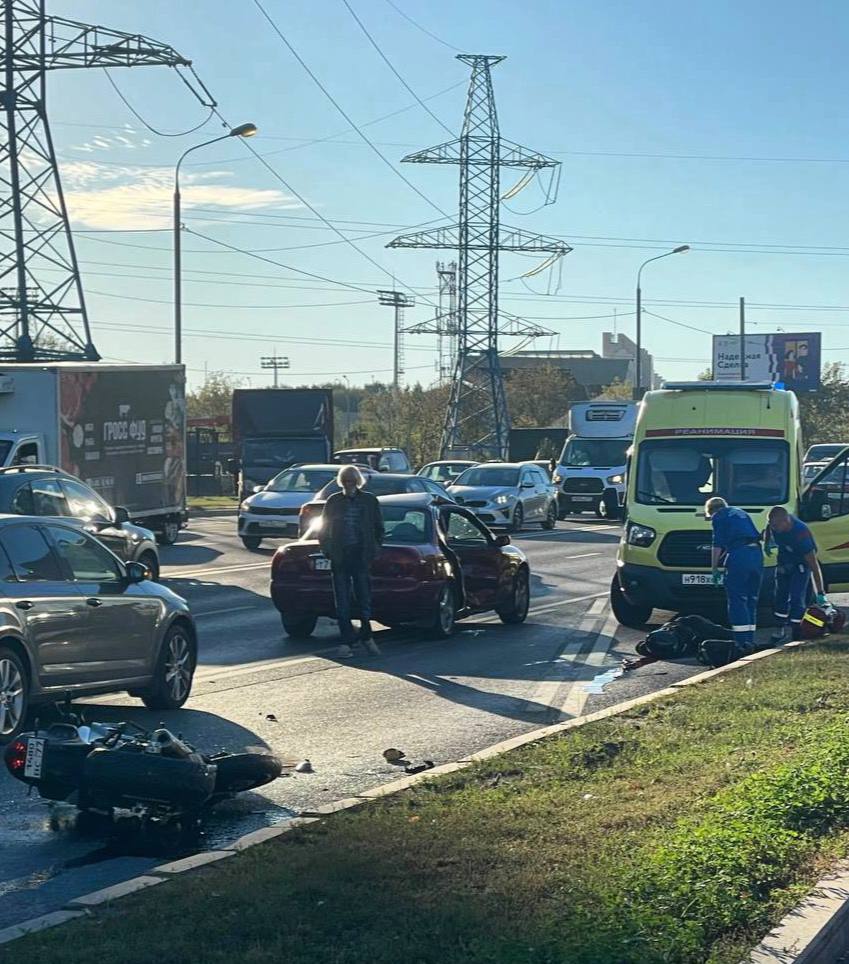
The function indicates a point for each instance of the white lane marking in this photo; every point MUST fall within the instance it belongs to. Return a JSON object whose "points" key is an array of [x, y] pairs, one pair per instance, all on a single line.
{"points": [[584, 555], [246, 669], [193, 573], [560, 668], [230, 609], [598, 605], [578, 694], [559, 532]]}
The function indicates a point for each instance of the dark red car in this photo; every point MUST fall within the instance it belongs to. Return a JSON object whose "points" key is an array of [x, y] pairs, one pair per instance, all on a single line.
{"points": [[438, 564]]}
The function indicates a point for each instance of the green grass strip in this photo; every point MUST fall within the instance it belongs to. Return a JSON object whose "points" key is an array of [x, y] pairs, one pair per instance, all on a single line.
{"points": [[677, 833]]}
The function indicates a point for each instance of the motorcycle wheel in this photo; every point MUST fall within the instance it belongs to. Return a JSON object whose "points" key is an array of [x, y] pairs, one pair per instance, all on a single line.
{"points": [[244, 771]]}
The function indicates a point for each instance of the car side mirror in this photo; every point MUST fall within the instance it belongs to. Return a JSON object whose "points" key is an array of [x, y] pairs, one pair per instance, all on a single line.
{"points": [[234, 466], [814, 506], [121, 515], [526, 485], [502, 540], [137, 572], [257, 488]]}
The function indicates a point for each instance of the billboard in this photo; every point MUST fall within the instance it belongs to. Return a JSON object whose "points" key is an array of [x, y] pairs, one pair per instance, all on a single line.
{"points": [[793, 359]]}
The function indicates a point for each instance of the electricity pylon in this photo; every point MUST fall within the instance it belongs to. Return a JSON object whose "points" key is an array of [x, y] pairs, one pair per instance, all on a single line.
{"points": [[477, 422], [42, 307]]}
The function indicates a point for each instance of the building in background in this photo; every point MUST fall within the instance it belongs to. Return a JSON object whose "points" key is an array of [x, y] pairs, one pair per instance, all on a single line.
{"points": [[591, 371]]}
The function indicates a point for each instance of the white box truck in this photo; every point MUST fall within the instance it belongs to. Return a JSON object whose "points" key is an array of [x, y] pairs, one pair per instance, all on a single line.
{"points": [[590, 475], [119, 428]]}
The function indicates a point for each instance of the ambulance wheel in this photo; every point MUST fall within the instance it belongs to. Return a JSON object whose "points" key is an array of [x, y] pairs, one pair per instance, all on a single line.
{"points": [[626, 613]]}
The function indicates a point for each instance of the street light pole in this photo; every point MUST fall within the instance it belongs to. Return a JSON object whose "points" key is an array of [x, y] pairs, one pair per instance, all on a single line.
{"points": [[638, 366], [243, 130]]}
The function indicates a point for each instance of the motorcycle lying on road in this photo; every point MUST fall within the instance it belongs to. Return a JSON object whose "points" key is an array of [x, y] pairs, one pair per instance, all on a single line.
{"points": [[122, 770]]}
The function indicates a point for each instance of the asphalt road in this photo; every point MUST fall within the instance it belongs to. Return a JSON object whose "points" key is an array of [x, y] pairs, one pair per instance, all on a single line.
{"points": [[436, 699]]}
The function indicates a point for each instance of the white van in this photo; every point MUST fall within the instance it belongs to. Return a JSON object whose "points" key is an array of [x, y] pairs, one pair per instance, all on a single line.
{"points": [[590, 475]]}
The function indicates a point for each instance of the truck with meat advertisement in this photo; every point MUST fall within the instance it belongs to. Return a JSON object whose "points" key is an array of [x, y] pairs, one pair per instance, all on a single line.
{"points": [[119, 428]]}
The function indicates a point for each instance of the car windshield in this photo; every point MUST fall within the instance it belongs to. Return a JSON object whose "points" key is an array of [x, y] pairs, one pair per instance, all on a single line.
{"points": [[489, 475], [376, 484], [446, 472], [595, 452], [357, 458], [823, 453], [689, 471], [405, 526], [300, 480], [282, 452]]}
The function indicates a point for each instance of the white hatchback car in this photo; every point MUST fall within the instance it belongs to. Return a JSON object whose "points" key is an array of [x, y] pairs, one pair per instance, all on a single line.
{"points": [[507, 494], [273, 510]]}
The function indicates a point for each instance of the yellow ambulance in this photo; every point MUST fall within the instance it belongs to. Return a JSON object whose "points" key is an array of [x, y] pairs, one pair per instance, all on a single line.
{"points": [[742, 442]]}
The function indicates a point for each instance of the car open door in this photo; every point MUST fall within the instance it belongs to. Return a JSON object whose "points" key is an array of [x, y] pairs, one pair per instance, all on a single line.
{"points": [[824, 505], [479, 558]]}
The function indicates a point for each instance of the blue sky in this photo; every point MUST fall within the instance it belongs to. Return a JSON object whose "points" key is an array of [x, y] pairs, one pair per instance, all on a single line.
{"points": [[721, 125]]}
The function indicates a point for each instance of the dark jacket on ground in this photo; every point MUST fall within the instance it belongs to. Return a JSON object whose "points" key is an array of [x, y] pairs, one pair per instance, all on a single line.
{"points": [[332, 537]]}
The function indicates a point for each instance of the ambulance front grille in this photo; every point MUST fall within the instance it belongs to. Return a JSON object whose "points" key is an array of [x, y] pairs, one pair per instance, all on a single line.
{"points": [[685, 550]]}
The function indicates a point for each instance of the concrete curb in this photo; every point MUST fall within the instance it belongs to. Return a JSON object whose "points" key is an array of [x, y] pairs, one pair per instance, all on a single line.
{"points": [[817, 923], [212, 513], [814, 932]]}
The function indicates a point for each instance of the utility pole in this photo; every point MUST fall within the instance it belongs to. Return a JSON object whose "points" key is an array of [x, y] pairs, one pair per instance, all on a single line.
{"points": [[274, 362], [43, 313], [477, 422], [399, 301], [742, 339]]}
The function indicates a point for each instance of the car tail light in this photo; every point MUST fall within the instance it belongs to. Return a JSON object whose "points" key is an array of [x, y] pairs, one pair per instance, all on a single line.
{"points": [[16, 757]]}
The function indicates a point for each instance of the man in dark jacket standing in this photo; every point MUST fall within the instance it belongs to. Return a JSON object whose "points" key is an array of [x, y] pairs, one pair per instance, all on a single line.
{"points": [[350, 537]]}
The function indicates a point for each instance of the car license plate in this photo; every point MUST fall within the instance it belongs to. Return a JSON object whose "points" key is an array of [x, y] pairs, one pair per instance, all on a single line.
{"points": [[697, 579], [271, 524], [582, 498], [321, 564], [34, 759]]}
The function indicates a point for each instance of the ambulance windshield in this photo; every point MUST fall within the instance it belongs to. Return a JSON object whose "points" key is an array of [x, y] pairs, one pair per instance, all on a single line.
{"points": [[687, 471]]}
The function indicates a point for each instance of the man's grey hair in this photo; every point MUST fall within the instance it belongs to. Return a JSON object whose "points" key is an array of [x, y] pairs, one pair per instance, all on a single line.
{"points": [[350, 473], [713, 505]]}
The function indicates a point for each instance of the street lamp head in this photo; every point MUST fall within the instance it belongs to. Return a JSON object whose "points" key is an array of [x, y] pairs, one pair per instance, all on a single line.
{"points": [[244, 130], [681, 248]]}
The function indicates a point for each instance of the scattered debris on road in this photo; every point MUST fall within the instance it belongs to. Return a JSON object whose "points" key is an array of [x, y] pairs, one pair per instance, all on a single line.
{"points": [[392, 755], [304, 767]]}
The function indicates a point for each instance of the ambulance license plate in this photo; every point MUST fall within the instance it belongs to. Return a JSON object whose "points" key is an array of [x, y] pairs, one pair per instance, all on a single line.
{"points": [[696, 579], [321, 564], [34, 759]]}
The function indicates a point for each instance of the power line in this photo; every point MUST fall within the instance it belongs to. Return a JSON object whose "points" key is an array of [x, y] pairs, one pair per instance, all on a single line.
{"points": [[679, 324], [150, 127], [424, 30], [391, 66], [343, 112]]}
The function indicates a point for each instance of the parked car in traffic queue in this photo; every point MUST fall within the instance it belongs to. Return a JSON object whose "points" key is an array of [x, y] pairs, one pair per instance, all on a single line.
{"points": [[273, 509], [378, 484], [445, 472], [379, 459], [44, 490], [75, 619], [438, 564], [507, 494]]}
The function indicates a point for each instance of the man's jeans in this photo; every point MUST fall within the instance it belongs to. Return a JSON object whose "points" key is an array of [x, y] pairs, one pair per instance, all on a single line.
{"points": [[351, 581]]}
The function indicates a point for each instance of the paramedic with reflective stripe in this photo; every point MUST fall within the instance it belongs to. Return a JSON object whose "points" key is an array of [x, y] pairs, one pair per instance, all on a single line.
{"points": [[737, 544], [797, 563]]}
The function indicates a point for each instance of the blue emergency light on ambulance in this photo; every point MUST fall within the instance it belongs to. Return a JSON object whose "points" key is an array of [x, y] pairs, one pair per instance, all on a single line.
{"points": [[590, 474]]}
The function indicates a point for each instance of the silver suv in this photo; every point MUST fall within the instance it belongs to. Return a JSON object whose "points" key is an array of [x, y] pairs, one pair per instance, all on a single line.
{"points": [[507, 494], [75, 619]]}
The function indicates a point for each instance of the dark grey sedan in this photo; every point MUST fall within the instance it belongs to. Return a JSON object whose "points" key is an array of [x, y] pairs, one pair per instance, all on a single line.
{"points": [[74, 619]]}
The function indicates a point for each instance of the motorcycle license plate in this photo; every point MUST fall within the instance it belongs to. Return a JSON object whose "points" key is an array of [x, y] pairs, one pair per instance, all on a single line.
{"points": [[34, 759], [321, 564], [582, 498], [697, 579]]}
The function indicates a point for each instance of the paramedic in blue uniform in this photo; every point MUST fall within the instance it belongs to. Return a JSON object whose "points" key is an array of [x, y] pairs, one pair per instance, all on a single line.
{"points": [[737, 546], [797, 565]]}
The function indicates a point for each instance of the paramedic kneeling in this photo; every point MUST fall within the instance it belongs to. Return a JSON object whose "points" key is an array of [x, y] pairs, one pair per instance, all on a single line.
{"points": [[797, 564], [737, 545]]}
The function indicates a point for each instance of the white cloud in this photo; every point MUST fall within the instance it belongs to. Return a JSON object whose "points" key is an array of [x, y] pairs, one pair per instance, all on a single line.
{"points": [[127, 196]]}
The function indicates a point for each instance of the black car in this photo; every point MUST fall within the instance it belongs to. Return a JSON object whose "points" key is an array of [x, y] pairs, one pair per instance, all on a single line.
{"points": [[379, 459], [36, 490], [383, 483]]}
